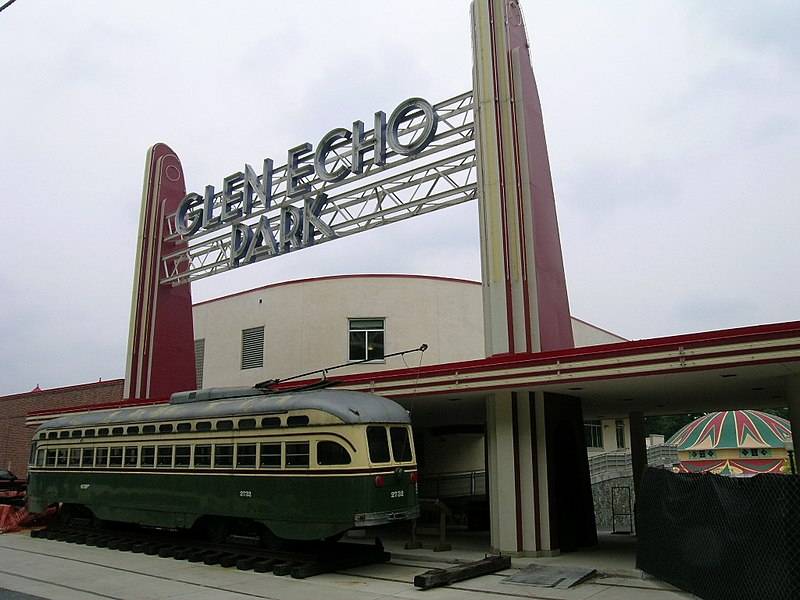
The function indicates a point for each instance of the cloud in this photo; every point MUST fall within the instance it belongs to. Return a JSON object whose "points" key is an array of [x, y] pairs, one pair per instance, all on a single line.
{"points": [[673, 129]]}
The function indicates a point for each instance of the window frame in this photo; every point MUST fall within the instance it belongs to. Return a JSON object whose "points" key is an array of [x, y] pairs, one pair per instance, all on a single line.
{"points": [[370, 330]]}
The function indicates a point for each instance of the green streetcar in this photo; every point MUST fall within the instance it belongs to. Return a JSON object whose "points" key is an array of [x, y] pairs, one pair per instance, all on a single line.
{"points": [[299, 465]]}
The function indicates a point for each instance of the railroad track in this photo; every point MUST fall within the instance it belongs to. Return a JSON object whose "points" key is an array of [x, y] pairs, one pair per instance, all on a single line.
{"points": [[303, 560]]}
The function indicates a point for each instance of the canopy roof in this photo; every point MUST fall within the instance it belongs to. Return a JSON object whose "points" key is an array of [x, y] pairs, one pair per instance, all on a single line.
{"points": [[733, 429]]}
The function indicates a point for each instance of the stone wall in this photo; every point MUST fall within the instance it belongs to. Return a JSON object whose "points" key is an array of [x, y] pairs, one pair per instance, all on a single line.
{"points": [[614, 518]]}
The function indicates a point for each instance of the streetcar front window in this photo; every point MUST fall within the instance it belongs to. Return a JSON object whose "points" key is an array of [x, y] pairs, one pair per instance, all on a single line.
{"points": [[183, 456], [245, 455], [378, 444], [297, 454], [115, 457], [223, 456], [332, 453], [202, 455], [164, 456], [270, 456], [131, 456], [401, 444], [148, 456]]}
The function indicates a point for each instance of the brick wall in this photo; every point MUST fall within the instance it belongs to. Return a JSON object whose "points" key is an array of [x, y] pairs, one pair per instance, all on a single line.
{"points": [[15, 437]]}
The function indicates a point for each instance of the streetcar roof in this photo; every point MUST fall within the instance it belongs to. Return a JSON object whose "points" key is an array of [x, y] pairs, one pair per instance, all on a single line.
{"points": [[349, 406]]}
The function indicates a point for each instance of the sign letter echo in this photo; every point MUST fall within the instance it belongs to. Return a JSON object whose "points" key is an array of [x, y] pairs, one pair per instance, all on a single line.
{"points": [[295, 221]]}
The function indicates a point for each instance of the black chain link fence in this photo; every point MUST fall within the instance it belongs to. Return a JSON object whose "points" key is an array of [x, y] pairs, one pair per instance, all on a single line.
{"points": [[721, 537]]}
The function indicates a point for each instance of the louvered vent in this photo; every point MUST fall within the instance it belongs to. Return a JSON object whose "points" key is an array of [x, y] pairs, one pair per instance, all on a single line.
{"points": [[253, 348], [199, 358]]}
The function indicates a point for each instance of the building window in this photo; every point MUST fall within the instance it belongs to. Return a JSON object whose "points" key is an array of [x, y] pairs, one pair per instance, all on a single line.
{"points": [[366, 339], [253, 348], [620, 427], [199, 358], [594, 434]]}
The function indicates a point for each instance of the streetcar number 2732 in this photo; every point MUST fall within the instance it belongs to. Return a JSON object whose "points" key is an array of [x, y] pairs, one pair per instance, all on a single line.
{"points": [[398, 494], [245, 494]]}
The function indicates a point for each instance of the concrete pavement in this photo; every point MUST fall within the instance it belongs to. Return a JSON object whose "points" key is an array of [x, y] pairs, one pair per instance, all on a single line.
{"points": [[61, 571]]}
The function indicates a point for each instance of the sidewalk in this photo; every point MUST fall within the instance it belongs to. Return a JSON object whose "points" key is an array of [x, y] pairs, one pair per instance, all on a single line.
{"points": [[62, 571]]}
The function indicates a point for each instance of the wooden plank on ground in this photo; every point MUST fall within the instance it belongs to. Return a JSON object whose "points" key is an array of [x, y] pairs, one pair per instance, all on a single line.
{"points": [[439, 577]]}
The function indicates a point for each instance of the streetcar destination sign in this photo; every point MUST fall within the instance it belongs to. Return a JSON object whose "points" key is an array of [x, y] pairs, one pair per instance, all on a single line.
{"points": [[293, 197]]}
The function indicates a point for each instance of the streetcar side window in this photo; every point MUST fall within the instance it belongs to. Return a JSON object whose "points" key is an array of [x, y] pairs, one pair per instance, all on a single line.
{"points": [[101, 457], [246, 456], [40, 454], [203, 426], [50, 460], [102, 431], [148, 456], [332, 453], [63, 434], [183, 456], [247, 423], [184, 427], [115, 457], [401, 445], [117, 430], [297, 421], [202, 455], [51, 435], [226, 425], [87, 458], [270, 422], [270, 456], [132, 430], [296, 454], [148, 429], [74, 457], [131, 456], [88, 433], [76, 433], [165, 428], [164, 456], [223, 455], [378, 444], [61, 457]]}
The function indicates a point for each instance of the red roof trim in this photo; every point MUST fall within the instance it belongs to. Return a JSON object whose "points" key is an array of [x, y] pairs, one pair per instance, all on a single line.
{"points": [[619, 350]]}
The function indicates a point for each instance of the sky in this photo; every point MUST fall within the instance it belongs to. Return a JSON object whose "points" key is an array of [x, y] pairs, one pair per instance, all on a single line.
{"points": [[673, 130]]}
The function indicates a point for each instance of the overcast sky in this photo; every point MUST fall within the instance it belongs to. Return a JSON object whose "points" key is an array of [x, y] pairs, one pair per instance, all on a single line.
{"points": [[673, 130]]}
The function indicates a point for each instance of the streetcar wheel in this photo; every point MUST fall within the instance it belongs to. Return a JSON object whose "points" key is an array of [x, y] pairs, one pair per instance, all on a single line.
{"points": [[269, 540], [65, 514], [218, 530]]}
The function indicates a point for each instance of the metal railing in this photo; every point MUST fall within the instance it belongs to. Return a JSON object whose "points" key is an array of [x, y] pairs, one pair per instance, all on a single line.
{"points": [[452, 485]]}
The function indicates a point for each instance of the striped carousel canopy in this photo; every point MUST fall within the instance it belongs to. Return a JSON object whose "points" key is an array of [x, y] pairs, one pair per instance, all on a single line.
{"points": [[734, 442], [733, 429]]}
